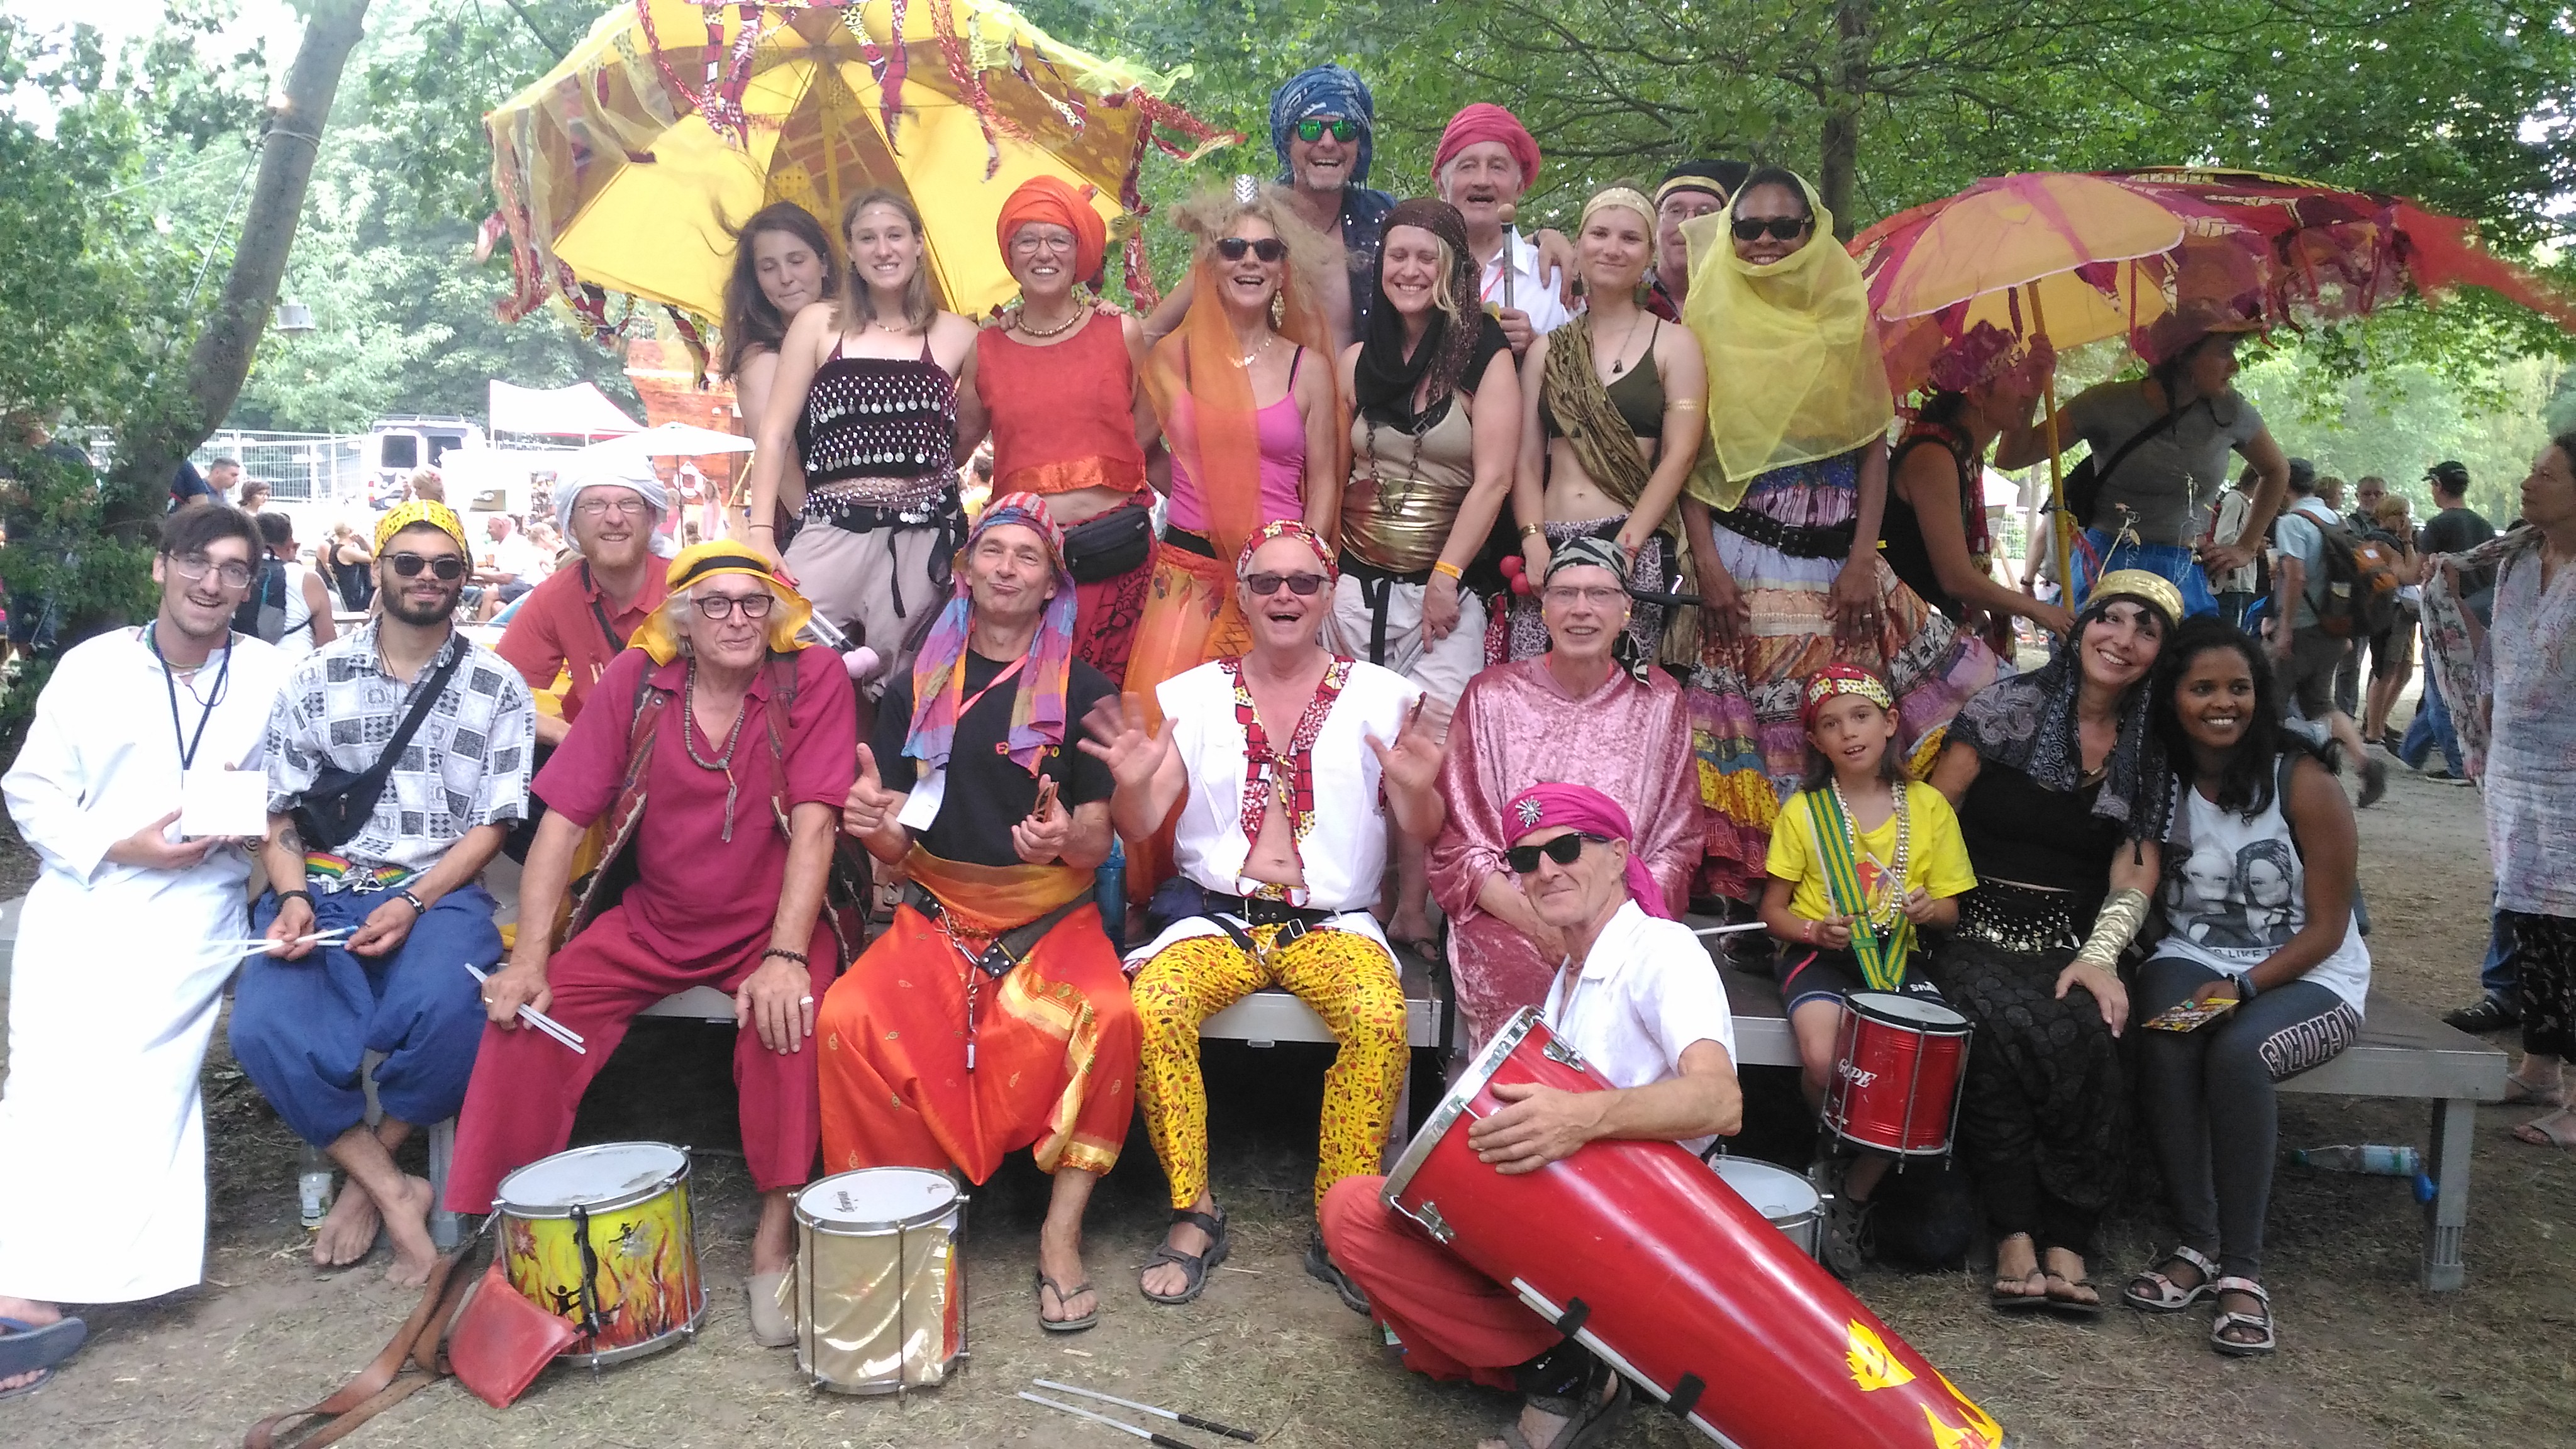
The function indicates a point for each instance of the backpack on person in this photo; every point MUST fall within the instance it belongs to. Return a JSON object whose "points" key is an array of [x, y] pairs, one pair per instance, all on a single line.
{"points": [[2361, 582], [263, 614]]}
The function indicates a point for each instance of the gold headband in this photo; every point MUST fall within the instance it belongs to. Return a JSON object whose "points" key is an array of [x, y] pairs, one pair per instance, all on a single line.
{"points": [[1708, 184], [2154, 589], [1627, 196]]}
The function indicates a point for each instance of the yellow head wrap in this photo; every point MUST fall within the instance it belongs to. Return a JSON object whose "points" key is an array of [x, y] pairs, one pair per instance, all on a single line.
{"points": [[420, 510], [714, 559], [1794, 373]]}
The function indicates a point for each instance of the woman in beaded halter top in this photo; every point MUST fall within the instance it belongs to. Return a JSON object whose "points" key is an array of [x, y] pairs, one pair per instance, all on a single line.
{"points": [[866, 397]]}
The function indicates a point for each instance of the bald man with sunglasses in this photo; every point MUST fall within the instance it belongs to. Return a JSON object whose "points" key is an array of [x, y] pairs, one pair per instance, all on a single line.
{"points": [[1280, 771]]}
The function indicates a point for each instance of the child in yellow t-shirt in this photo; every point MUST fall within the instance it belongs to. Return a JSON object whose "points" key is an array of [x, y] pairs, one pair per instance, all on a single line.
{"points": [[1862, 861]]}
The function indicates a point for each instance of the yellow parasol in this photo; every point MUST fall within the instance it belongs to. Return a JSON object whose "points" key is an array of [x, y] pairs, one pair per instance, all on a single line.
{"points": [[622, 169]]}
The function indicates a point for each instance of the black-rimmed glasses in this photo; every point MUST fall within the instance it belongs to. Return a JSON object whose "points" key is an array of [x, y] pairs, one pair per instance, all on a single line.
{"points": [[721, 606]]}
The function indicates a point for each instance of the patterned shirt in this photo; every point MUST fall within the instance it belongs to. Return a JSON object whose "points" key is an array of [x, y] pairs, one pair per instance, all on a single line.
{"points": [[468, 765]]}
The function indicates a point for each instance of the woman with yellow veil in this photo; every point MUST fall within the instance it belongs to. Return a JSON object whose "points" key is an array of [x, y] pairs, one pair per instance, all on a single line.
{"points": [[1783, 512]]}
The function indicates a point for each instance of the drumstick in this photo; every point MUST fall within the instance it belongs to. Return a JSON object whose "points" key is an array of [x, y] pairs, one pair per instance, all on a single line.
{"points": [[1161, 1441], [1727, 930], [1193, 1420], [536, 1018]]}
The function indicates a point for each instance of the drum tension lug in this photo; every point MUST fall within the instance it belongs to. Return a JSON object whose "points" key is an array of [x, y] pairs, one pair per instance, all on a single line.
{"points": [[1428, 1217], [1557, 1051]]}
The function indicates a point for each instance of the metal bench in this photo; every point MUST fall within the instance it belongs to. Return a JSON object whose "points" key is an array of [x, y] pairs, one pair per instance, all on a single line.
{"points": [[2404, 1051]]}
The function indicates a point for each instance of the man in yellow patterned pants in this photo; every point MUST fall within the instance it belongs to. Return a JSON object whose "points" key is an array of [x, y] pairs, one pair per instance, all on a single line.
{"points": [[1279, 768]]}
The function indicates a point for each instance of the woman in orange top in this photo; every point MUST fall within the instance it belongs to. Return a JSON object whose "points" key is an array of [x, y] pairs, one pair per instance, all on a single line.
{"points": [[1054, 378]]}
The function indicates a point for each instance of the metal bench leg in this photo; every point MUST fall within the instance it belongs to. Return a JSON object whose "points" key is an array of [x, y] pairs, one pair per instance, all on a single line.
{"points": [[442, 1155], [2446, 1217]]}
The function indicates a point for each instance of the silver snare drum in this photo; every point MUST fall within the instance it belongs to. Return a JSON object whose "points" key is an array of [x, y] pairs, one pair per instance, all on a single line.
{"points": [[1778, 1194], [880, 1280]]}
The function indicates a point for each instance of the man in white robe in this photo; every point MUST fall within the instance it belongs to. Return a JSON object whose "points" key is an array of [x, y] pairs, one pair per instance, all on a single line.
{"points": [[117, 975]]}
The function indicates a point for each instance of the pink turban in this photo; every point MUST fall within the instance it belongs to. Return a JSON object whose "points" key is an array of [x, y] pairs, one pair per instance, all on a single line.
{"points": [[1582, 808], [1485, 121]]}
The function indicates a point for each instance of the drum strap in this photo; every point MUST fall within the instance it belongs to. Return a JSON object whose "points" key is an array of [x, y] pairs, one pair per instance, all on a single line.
{"points": [[389, 1379]]}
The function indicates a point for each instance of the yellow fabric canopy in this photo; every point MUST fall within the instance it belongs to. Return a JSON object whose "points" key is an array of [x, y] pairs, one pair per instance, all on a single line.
{"points": [[624, 167]]}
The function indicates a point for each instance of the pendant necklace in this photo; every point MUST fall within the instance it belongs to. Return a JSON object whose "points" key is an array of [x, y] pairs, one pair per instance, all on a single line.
{"points": [[1618, 359], [723, 762], [1874, 920]]}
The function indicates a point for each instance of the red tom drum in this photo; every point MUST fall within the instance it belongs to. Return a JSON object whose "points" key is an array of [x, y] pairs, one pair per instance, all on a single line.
{"points": [[1899, 1063], [1653, 1262]]}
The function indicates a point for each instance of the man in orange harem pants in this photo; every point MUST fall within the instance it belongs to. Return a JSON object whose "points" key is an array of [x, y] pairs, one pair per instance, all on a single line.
{"points": [[993, 1015]]}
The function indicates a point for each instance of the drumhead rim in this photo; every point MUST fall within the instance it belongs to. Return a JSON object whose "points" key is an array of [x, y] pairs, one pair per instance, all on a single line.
{"points": [[1455, 1100], [1807, 1207], [547, 1212], [876, 1227], [1950, 1022]]}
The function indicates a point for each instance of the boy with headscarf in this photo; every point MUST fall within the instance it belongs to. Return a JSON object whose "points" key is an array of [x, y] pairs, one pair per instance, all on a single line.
{"points": [[992, 1014], [718, 763]]}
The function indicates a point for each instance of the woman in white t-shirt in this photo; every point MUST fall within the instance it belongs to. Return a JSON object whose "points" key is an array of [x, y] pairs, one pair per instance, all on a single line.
{"points": [[2278, 938]]}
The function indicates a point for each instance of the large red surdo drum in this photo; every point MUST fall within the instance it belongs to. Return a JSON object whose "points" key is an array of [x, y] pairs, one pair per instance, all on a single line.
{"points": [[1655, 1264]]}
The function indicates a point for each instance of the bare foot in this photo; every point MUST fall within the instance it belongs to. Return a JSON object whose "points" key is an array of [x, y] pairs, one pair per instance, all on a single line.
{"points": [[1411, 925], [408, 1225], [1542, 1428], [348, 1231], [1168, 1279], [1060, 1259]]}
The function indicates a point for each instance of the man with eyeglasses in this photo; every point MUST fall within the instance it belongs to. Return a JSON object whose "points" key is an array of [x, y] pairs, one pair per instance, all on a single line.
{"points": [[1691, 189], [717, 756], [1638, 999], [992, 1014], [397, 760], [575, 623], [120, 964], [1277, 772]]}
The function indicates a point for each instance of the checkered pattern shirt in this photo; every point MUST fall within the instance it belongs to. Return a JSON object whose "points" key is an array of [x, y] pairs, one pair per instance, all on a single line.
{"points": [[467, 766]]}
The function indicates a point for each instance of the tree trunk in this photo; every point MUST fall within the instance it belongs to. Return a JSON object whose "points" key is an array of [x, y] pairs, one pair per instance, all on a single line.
{"points": [[219, 362], [1839, 161]]}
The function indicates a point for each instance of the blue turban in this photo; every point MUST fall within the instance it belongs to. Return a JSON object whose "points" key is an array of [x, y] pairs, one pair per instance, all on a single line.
{"points": [[1325, 90]]}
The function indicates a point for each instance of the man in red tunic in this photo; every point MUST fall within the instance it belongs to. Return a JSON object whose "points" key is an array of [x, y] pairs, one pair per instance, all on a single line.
{"points": [[579, 619], [718, 755]]}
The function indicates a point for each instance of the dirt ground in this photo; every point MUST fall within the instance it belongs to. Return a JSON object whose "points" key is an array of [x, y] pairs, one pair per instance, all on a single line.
{"points": [[2367, 1358]]}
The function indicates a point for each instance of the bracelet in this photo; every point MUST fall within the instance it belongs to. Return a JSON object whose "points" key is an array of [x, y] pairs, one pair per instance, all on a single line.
{"points": [[2245, 988], [770, 526], [1686, 405], [419, 907], [1807, 932], [1532, 530], [1444, 566], [2113, 928], [305, 896], [796, 956]]}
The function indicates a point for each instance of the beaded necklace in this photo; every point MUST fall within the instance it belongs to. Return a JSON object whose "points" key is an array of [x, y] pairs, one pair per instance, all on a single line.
{"points": [[723, 762], [1875, 919]]}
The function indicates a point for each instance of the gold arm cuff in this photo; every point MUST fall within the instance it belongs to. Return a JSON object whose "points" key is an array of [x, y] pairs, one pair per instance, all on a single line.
{"points": [[2114, 928], [1686, 405], [1532, 530]]}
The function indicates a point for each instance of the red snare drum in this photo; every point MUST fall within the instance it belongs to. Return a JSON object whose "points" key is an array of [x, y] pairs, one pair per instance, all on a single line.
{"points": [[1654, 1263], [1899, 1064]]}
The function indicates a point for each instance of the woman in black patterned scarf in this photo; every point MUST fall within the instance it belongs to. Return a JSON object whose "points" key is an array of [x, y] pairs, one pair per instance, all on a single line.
{"points": [[2062, 791]]}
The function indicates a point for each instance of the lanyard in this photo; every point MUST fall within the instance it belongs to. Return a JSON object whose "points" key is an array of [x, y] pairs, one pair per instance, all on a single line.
{"points": [[998, 681], [170, 680]]}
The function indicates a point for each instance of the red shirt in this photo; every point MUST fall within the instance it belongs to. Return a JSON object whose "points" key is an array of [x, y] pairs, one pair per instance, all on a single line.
{"points": [[566, 623], [697, 895]]}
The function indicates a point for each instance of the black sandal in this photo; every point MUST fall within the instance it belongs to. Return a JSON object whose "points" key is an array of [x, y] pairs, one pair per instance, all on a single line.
{"points": [[1196, 1265], [1321, 1267], [1063, 1296], [2067, 1305]]}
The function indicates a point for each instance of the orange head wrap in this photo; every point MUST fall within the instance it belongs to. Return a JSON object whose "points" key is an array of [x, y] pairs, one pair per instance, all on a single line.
{"points": [[1049, 199]]}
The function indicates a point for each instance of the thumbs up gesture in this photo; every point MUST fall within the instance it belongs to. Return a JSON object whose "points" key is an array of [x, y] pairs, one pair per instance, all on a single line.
{"points": [[869, 804]]}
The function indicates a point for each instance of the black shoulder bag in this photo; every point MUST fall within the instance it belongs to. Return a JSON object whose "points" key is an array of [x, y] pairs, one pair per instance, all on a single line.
{"points": [[2084, 481], [338, 803]]}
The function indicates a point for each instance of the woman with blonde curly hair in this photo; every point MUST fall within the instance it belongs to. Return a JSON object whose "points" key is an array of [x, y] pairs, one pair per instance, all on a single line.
{"points": [[1245, 391]]}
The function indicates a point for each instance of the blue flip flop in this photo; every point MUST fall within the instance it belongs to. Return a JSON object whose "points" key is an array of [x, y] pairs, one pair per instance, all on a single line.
{"points": [[30, 1348]]}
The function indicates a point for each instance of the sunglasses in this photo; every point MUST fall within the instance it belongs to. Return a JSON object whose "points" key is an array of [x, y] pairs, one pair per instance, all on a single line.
{"points": [[448, 567], [1342, 127], [1781, 228], [1562, 850], [1302, 585], [1269, 248]]}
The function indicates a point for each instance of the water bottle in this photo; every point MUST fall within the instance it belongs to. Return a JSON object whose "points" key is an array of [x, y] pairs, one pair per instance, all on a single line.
{"points": [[313, 1186], [2369, 1157]]}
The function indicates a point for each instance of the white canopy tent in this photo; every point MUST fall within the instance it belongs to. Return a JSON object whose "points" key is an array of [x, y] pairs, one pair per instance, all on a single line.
{"points": [[578, 411]]}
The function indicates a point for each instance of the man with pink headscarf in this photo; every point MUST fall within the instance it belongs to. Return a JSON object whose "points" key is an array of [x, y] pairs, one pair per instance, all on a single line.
{"points": [[1485, 160], [1639, 998]]}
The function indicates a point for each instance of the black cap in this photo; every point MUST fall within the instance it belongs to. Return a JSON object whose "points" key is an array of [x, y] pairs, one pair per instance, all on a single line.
{"points": [[2453, 473]]}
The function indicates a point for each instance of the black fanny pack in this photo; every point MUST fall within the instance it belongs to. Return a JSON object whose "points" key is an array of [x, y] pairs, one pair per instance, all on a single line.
{"points": [[338, 804], [1789, 538], [1109, 544]]}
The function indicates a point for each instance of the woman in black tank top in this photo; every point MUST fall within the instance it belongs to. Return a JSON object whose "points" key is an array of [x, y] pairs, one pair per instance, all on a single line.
{"points": [[1934, 527]]}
